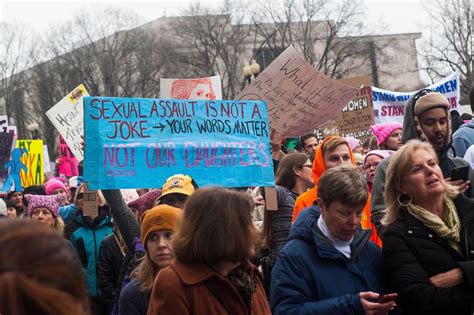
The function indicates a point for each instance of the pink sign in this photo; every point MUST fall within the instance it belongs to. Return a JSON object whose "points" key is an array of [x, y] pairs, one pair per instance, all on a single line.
{"points": [[69, 163]]}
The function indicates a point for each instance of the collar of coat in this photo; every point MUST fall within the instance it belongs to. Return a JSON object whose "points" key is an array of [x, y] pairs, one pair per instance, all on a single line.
{"points": [[194, 274]]}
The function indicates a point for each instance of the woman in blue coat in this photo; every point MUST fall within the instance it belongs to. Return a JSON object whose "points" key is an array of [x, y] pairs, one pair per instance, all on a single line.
{"points": [[329, 266]]}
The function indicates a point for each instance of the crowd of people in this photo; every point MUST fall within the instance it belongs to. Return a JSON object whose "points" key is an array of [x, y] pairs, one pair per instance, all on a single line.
{"points": [[381, 227]]}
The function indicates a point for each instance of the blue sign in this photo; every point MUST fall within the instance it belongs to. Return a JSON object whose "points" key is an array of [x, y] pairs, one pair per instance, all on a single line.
{"points": [[140, 142]]}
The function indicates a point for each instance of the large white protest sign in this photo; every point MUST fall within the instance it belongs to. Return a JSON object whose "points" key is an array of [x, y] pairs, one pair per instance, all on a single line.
{"points": [[209, 88], [299, 97], [389, 106], [68, 118]]}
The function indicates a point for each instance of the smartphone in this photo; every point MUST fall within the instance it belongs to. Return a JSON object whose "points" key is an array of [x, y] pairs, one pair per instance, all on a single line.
{"points": [[384, 298], [460, 173]]}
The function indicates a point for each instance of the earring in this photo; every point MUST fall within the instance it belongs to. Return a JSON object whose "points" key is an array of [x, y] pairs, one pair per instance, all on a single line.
{"points": [[404, 199]]}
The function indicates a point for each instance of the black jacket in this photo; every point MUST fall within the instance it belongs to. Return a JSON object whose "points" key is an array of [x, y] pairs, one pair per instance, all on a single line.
{"points": [[413, 253], [108, 268]]}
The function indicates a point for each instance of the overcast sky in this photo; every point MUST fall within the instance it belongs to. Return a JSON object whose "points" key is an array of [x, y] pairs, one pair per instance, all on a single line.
{"points": [[398, 16]]}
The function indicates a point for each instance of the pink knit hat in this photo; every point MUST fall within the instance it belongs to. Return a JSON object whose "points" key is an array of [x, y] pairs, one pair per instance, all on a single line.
{"points": [[382, 131], [49, 202], [145, 202], [53, 184]]}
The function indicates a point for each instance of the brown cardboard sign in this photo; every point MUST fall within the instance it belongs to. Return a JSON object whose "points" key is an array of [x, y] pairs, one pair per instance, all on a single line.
{"points": [[299, 97], [90, 206], [271, 203]]}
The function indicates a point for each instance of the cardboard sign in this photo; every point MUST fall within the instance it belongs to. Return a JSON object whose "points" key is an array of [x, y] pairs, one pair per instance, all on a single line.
{"points": [[136, 142], [69, 164], [67, 116], [389, 106], [357, 116], [6, 142], [299, 97], [89, 202], [33, 161], [209, 88]]}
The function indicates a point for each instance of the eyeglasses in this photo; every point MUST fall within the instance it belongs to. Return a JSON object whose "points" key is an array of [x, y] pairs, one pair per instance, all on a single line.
{"points": [[369, 165], [308, 166]]}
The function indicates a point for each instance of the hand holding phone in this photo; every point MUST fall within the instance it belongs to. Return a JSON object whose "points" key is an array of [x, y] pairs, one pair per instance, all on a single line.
{"points": [[459, 173], [384, 298]]}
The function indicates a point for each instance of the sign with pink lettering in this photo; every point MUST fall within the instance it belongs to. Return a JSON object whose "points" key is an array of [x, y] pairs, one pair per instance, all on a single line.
{"points": [[299, 97], [138, 142]]}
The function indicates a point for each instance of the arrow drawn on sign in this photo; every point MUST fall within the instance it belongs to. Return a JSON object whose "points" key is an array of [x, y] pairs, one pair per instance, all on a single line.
{"points": [[160, 126]]}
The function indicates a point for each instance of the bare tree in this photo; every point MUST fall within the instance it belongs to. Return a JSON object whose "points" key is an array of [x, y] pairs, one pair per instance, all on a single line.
{"points": [[322, 30], [219, 40], [450, 46], [16, 49]]}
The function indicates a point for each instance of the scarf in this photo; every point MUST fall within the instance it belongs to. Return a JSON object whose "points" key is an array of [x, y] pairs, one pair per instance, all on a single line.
{"points": [[448, 227], [243, 282]]}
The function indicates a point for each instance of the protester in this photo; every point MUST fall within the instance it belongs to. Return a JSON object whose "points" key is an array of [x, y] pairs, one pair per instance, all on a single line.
{"points": [[371, 161], [332, 151], [354, 144], [211, 273], [389, 135], [144, 202], [359, 162], [55, 186], [429, 240], [176, 190], [158, 226], [309, 143], [11, 209], [425, 118], [109, 264], [45, 209], [328, 265], [293, 177], [17, 198], [39, 273], [456, 123], [86, 234], [463, 138]]}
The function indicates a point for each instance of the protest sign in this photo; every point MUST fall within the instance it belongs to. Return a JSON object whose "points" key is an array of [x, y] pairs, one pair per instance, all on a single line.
{"points": [[209, 88], [133, 142], [33, 160], [67, 116], [299, 97], [68, 165], [389, 106], [47, 166], [6, 142], [357, 116]]}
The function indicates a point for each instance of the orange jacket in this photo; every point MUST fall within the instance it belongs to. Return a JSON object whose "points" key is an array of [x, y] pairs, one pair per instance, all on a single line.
{"points": [[309, 197]]}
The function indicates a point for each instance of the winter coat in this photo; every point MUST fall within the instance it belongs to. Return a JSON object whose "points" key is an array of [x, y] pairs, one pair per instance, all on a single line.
{"points": [[86, 235], [68, 213], [134, 301], [109, 264], [312, 277], [413, 253], [308, 198], [183, 289]]}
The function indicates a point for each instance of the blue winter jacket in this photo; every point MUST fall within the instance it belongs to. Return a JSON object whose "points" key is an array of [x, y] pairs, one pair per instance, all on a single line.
{"points": [[311, 277], [86, 236]]}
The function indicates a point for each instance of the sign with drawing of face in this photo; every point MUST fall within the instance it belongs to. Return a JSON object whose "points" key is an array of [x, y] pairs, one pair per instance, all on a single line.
{"points": [[208, 88]]}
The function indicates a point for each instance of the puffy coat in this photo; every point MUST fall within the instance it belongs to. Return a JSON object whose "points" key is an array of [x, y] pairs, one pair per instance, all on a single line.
{"points": [[86, 235], [182, 289], [312, 277], [413, 253]]}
